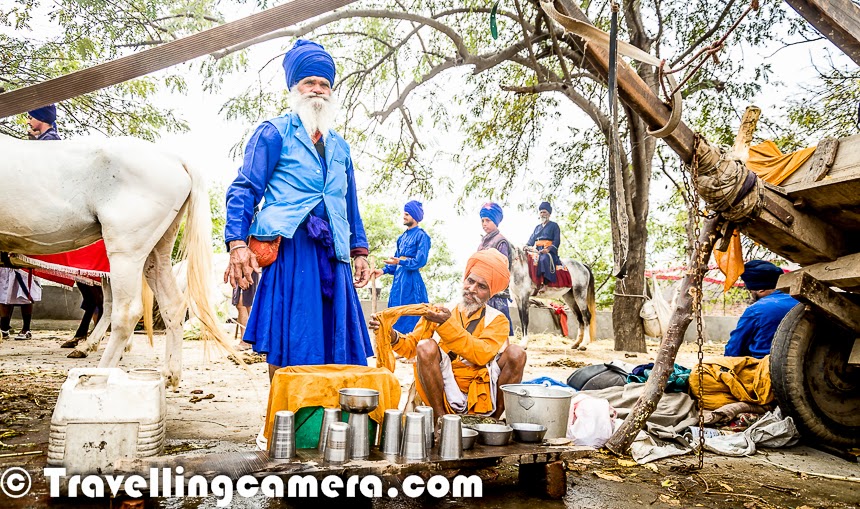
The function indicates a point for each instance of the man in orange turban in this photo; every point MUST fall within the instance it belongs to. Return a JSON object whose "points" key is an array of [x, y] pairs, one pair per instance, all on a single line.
{"points": [[463, 355]]}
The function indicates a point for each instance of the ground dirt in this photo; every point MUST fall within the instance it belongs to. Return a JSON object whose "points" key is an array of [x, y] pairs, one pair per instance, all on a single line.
{"points": [[31, 373]]}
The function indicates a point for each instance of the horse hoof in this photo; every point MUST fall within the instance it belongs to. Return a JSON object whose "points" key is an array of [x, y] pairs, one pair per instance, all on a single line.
{"points": [[582, 348], [77, 354], [72, 343]]}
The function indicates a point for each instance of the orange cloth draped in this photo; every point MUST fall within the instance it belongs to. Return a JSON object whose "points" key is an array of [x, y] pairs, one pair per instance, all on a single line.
{"points": [[772, 166], [296, 387], [732, 379], [478, 348], [387, 318]]}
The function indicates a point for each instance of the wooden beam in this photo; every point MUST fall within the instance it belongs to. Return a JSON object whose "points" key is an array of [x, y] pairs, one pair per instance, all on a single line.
{"points": [[842, 273], [164, 56], [854, 356], [811, 291], [838, 20]]}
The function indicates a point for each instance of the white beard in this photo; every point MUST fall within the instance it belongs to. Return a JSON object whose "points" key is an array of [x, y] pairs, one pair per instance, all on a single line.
{"points": [[469, 306], [317, 112]]}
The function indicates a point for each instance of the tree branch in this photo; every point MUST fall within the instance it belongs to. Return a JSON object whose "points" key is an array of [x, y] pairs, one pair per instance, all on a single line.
{"points": [[704, 36]]}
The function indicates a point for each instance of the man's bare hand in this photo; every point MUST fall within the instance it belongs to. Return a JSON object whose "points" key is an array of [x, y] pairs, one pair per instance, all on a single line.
{"points": [[243, 264], [378, 273], [362, 271], [373, 324], [392, 261], [438, 315], [544, 250]]}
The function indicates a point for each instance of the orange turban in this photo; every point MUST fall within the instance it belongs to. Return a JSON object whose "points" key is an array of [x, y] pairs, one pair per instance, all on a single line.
{"points": [[491, 265]]}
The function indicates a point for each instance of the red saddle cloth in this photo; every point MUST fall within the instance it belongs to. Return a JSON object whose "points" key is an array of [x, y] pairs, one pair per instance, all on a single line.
{"points": [[88, 262], [562, 275]]}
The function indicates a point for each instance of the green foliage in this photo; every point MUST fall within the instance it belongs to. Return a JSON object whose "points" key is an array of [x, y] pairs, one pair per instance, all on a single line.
{"points": [[49, 39], [217, 208]]}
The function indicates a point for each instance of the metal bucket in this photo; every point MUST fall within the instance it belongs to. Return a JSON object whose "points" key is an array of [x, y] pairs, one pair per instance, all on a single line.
{"points": [[538, 404]]}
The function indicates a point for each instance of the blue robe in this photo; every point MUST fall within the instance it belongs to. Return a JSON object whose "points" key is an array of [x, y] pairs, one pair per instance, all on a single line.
{"points": [[547, 262], [49, 135], [292, 321], [408, 286], [756, 327]]}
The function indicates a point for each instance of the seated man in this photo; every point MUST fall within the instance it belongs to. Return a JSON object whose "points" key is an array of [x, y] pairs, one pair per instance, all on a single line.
{"points": [[462, 373], [756, 327], [546, 240]]}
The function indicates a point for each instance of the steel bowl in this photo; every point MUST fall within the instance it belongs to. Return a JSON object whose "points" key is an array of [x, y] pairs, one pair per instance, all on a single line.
{"points": [[528, 433], [493, 434], [470, 436], [358, 401]]}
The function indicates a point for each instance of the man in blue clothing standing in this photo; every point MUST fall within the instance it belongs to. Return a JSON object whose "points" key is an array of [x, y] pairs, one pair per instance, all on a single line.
{"points": [[756, 327], [306, 310], [413, 249], [546, 239]]}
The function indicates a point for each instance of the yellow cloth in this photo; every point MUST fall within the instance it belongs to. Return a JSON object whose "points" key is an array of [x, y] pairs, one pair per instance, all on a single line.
{"points": [[387, 318], [478, 348], [732, 379], [772, 166], [296, 387]]}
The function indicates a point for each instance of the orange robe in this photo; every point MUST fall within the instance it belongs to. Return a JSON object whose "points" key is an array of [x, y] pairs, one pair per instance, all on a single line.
{"points": [[474, 351]]}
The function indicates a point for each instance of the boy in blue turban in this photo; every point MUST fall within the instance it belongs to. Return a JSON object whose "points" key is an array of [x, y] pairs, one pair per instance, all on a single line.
{"points": [[413, 250], [306, 310], [491, 216], [546, 239], [41, 123], [754, 333]]}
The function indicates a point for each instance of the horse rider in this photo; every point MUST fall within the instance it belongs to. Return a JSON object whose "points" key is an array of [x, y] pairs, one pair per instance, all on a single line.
{"points": [[413, 249], [491, 216], [757, 325], [464, 371], [546, 240], [306, 310]]}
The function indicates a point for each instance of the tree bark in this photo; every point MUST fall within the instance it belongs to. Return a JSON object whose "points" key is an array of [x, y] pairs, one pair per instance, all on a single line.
{"points": [[620, 442]]}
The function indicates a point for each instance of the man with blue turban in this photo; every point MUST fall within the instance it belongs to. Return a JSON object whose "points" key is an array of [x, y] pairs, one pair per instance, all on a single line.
{"points": [[413, 249], [491, 217], [546, 239], [306, 310], [41, 123], [754, 333]]}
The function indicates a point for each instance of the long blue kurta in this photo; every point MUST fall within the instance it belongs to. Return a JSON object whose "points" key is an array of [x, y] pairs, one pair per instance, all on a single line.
{"points": [[547, 262], [293, 321], [754, 333], [408, 287]]}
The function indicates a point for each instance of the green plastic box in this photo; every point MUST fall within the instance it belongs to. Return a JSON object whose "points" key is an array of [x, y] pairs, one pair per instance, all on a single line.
{"points": [[308, 422]]}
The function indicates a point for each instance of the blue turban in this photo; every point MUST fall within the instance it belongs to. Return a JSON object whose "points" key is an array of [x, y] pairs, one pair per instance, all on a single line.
{"points": [[308, 59], [414, 209], [493, 212], [545, 206], [46, 114], [760, 275]]}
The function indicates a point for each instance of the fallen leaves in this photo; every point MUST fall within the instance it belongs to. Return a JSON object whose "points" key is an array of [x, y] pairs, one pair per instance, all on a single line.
{"points": [[726, 486], [195, 399], [607, 476]]}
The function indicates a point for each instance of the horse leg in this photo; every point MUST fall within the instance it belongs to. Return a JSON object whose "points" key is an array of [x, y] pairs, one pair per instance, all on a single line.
{"points": [[523, 309], [92, 342], [574, 305], [127, 305], [159, 275]]}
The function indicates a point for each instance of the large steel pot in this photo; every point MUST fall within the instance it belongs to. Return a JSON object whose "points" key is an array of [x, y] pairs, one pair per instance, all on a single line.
{"points": [[538, 404]]}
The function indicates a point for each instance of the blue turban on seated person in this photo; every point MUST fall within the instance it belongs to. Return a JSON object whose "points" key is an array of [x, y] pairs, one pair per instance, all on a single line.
{"points": [[414, 209], [305, 59], [545, 206], [760, 275], [493, 212], [46, 114]]}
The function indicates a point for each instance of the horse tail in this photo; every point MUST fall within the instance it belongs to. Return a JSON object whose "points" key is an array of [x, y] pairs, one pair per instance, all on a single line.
{"points": [[148, 309], [196, 249], [592, 307]]}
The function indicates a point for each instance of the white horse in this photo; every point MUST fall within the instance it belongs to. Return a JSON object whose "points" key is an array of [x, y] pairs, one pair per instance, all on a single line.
{"points": [[579, 296], [63, 195]]}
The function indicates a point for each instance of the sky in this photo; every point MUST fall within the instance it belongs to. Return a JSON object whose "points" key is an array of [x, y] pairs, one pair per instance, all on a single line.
{"points": [[210, 137]]}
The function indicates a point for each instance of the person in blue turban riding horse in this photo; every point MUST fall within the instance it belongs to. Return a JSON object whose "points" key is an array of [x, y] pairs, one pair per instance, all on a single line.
{"points": [[306, 310], [546, 239], [491, 216], [413, 249], [754, 333]]}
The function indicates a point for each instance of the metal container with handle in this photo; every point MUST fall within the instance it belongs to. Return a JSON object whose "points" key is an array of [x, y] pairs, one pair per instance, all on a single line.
{"points": [[538, 404]]}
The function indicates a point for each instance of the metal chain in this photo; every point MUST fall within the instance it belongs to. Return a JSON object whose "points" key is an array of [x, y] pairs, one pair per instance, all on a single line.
{"points": [[695, 266]]}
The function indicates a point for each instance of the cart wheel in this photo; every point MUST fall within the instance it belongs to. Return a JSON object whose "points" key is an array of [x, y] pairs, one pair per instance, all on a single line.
{"points": [[812, 380]]}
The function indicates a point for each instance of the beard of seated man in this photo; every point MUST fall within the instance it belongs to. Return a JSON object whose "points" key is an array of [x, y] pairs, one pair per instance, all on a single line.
{"points": [[511, 364]]}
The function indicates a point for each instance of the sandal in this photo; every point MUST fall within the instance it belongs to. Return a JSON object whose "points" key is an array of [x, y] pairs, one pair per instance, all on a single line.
{"points": [[4, 334]]}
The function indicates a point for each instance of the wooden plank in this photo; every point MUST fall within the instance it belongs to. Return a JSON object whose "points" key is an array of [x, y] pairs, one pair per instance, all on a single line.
{"points": [[841, 273], [830, 193], [164, 56], [854, 356], [822, 160], [846, 163], [811, 291], [838, 20]]}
